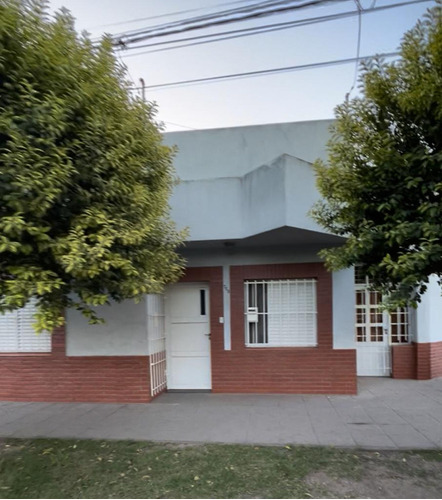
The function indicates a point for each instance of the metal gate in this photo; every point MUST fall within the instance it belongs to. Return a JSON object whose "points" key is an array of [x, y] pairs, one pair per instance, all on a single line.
{"points": [[376, 330], [156, 338]]}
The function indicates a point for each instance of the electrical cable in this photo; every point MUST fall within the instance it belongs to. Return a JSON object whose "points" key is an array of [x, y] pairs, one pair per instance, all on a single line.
{"points": [[179, 125], [260, 29], [207, 17], [358, 48], [170, 14], [265, 72], [309, 3]]}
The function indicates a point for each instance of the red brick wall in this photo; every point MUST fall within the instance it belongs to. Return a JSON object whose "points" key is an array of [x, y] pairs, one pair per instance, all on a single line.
{"points": [[436, 359], [403, 361], [420, 361], [56, 377], [429, 360], [275, 370]]}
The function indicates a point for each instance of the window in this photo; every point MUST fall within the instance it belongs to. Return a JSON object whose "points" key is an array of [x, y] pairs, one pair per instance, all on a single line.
{"points": [[371, 320], [18, 335], [280, 313]]}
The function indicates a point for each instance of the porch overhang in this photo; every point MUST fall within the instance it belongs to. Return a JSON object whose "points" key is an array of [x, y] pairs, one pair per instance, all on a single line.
{"points": [[285, 236]]}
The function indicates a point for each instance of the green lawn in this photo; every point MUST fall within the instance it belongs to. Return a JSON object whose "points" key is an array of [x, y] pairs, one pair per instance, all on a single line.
{"points": [[48, 468]]}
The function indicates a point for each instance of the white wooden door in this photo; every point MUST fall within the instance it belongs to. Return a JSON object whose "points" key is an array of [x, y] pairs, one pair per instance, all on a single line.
{"points": [[188, 337], [373, 354]]}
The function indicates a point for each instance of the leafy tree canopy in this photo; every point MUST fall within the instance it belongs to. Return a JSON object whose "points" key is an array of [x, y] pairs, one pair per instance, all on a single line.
{"points": [[382, 185], [84, 176]]}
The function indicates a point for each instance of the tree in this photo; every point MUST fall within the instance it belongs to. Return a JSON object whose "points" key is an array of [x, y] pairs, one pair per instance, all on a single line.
{"points": [[84, 176], [382, 184]]}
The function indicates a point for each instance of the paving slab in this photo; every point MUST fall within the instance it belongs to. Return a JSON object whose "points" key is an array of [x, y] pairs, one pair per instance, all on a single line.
{"points": [[370, 436], [386, 414]]}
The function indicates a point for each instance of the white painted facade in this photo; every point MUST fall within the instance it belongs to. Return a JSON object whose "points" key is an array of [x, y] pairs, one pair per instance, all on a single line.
{"points": [[271, 196], [124, 332], [253, 188], [233, 152], [244, 195], [429, 314]]}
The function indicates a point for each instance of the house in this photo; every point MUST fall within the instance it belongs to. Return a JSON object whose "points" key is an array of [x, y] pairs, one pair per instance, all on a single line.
{"points": [[255, 312]]}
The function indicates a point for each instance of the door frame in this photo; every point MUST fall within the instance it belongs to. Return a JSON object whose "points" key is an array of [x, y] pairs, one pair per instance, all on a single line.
{"points": [[191, 284]]}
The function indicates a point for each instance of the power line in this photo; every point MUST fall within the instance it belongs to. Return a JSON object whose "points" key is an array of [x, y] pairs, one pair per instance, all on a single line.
{"points": [[358, 47], [170, 14], [179, 125], [232, 34], [207, 17], [193, 20], [255, 15], [266, 71]]}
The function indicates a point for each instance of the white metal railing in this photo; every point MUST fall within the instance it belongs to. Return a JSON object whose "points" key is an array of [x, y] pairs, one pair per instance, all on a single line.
{"points": [[156, 339]]}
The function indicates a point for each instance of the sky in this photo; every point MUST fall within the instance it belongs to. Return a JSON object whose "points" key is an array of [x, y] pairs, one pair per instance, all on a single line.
{"points": [[293, 96]]}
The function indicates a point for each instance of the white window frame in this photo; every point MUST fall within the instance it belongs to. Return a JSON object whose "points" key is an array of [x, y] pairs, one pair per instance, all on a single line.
{"points": [[257, 314], [17, 335]]}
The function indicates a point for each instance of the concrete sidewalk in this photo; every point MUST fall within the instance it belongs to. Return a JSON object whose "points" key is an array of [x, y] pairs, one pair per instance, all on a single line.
{"points": [[386, 414]]}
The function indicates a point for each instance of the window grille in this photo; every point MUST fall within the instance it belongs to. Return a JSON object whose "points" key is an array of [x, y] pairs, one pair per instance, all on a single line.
{"points": [[370, 318], [17, 333], [280, 313]]}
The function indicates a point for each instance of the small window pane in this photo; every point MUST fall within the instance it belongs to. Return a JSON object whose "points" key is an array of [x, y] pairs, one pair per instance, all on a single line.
{"points": [[376, 334], [375, 298], [360, 334], [360, 297]]}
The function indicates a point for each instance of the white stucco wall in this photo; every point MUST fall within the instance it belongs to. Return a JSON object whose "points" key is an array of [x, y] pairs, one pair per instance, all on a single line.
{"points": [[209, 209], [274, 195], [232, 152], [263, 197], [429, 314], [344, 309], [123, 334]]}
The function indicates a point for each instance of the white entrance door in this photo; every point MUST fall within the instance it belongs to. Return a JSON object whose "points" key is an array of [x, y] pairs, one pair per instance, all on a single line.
{"points": [[372, 334], [188, 337]]}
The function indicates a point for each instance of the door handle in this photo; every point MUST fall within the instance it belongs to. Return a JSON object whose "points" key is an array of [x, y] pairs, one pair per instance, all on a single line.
{"points": [[207, 335]]}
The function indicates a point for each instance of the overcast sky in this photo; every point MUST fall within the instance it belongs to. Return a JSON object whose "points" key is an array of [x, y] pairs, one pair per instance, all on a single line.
{"points": [[293, 96]]}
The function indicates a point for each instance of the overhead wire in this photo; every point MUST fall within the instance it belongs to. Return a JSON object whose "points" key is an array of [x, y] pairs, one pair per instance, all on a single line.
{"points": [[256, 30], [160, 16], [179, 125], [219, 22], [265, 72], [208, 17], [358, 48]]}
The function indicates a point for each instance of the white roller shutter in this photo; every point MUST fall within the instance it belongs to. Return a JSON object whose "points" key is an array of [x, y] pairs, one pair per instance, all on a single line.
{"points": [[18, 335]]}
